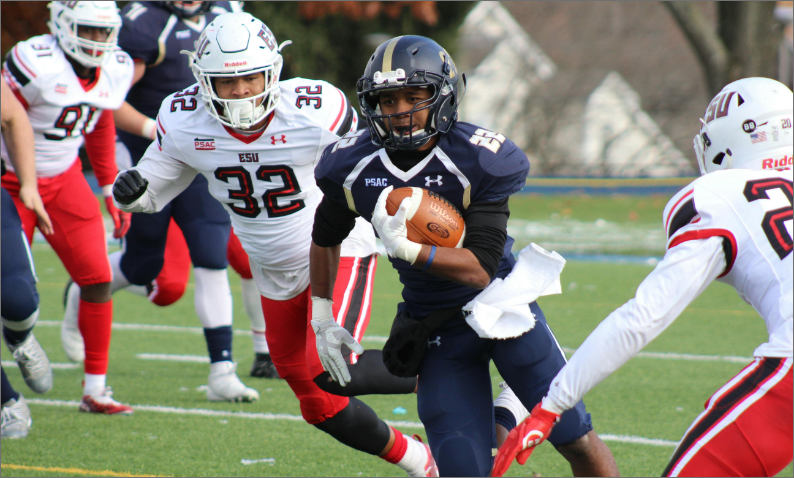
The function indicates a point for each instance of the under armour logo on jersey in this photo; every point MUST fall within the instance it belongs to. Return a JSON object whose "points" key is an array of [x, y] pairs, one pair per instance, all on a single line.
{"points": [[104, 94], [437, 181], [437, 341], [283, 139]]}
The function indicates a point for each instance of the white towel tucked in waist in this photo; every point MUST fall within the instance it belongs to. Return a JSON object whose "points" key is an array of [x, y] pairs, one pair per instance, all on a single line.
{"points": [[500, 311]]}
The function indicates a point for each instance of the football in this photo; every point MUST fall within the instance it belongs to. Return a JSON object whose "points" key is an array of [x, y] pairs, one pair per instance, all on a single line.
{"points": [[431, 220]]}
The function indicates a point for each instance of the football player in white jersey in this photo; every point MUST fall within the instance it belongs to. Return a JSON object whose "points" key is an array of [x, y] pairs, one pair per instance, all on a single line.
{"points": [[68, 82], [256, 139], [733, 225]]}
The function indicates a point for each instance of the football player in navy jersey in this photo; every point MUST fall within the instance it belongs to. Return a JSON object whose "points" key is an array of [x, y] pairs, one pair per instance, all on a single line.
{"points": [[155, 253], [409, 95]]}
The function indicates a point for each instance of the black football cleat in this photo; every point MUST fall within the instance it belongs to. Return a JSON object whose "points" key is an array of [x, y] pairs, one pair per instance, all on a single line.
{"points": [[263, 367]]}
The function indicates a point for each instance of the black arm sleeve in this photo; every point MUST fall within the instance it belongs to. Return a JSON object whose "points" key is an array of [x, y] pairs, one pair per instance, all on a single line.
{"points": [[332, 223], [486, 232]]}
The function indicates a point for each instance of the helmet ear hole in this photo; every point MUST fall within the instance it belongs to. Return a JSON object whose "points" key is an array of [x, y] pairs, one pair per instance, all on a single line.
{"points": [[718, 158]]}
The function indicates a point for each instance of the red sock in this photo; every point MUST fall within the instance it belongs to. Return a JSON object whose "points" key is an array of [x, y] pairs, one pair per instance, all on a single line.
{"points": [[398, 449], [94, 321]]}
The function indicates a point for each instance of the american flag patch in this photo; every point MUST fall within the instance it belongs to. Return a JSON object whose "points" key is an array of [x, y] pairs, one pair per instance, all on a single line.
{"points": [[758, 137]]}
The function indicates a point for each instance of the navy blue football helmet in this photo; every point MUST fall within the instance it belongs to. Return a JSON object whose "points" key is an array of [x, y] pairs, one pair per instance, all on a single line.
{"points": [[410, 61], [188, 9]]}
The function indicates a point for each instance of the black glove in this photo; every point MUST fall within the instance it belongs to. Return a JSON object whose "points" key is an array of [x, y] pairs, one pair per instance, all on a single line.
{"points": [[129, 186], [406, 346]]}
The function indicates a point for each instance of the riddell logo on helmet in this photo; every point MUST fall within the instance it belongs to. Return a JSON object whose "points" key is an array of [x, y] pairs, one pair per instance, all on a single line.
{"points": [[230, 64], [778, 163]]}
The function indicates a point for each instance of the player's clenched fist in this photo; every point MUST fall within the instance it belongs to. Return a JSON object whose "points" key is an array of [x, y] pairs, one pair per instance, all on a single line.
{"points": [[129, 186]]}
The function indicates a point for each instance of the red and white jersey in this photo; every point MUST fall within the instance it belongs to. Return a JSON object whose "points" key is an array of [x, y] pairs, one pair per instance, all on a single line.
{"points": [[60, 108], [265, 180], [751, 211], [734, 226]]}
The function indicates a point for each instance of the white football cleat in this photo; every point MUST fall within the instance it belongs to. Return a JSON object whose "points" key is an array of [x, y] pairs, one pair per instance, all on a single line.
{"points": [[71, 338], [429, 467], [15, 419], [104, 404], [33, 363], [224, 386]]}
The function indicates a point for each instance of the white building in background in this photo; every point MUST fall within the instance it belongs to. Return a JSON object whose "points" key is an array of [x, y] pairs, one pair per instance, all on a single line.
{"points": [[499, 86], [621, 140], [504, 66]]}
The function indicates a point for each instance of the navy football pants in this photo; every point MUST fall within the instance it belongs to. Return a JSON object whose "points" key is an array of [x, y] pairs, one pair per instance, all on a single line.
{"points": [[455, 394], [19, 296]]}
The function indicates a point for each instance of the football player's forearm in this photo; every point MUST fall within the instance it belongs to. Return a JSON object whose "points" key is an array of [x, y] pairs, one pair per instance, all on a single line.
{"points": [[677, 280], [324, 264], [132, 121], [457, 265]]}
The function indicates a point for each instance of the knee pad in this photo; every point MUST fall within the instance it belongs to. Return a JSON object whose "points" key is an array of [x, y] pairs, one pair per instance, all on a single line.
{"points": [[21, 325], [20, 299], [166, 292], [141, 270], [358, 427], [316, 405]]}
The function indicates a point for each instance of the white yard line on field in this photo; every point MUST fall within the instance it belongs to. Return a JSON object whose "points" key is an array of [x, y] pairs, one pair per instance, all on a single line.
{"points": [[57, 366], [381, 339], [675, 356], [297, 418], [174, 358]]}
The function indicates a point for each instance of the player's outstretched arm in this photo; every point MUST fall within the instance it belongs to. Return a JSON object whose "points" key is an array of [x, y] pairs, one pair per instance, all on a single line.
{"points": [[18, 134], [330, 336]]}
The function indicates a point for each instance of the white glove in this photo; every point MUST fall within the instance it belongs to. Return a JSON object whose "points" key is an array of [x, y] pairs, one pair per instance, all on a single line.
{"points": [[330, 337], [392, 230]]}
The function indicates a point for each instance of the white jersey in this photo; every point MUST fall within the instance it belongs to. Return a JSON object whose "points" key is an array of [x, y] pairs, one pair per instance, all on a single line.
{"points": [[734, 226], [264, 180], [60, 109]]}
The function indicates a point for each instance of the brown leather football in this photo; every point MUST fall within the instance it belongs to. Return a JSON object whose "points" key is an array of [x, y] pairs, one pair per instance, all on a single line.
{"points": [[431, 220]]}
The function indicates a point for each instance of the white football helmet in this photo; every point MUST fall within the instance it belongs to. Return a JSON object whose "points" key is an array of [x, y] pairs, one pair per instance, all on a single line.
{"points": [[237, 44], [748, 125], [65, 17]]}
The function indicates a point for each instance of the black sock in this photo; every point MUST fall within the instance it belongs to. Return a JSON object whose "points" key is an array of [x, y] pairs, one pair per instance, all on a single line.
{"points": [[358, 427], [219, 343]]}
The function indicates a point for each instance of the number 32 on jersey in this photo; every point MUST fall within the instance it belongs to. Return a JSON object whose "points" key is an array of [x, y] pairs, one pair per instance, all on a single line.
{"points": [[270, 198]]}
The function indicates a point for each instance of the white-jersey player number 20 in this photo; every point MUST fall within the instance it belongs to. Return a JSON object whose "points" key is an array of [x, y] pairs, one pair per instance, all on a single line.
{"points": [[774, 221]]}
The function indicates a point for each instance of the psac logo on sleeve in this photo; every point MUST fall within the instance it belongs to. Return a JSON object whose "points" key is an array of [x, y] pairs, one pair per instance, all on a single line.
{"points": [[204, 144]]}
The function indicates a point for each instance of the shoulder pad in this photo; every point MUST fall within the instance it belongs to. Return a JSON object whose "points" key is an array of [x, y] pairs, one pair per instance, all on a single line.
{"points": [[501, 166], [339, 159], [120, 67], [680, 209], [178, 105], [34, 57], [322, 103]]}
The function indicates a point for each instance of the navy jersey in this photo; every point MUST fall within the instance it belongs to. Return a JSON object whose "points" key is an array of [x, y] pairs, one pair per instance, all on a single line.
{"points": [[151, 34], [468, 165]]}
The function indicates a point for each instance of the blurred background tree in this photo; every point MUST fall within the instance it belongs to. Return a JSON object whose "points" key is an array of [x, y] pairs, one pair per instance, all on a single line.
{"points": [[743, 42], [330, 40], [333, 40]]}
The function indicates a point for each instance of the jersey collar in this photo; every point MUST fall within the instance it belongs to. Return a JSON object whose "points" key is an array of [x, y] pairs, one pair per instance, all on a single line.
{"points": [[249, 138]]}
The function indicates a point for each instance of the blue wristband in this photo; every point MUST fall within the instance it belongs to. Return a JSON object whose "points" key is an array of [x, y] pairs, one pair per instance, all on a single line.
{"points": [[429, 259]]}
